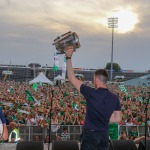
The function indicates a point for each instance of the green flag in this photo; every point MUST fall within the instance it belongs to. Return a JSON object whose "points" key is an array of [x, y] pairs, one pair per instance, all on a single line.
{"points": [[140, 99], [55, 68], [75, 106], [29, 96], [10, 90], [123, 88], [65, 94], [83, 102], [35, 86]]}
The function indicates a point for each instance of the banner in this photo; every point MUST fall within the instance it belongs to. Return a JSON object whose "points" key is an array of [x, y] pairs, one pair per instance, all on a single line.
{"points": [[56, 62], [7, 72], [23, 111], [64, 68], [113, 131]]}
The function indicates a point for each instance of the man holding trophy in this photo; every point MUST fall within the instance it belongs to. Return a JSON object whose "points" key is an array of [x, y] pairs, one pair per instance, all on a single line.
{"points": [[102, 105]]}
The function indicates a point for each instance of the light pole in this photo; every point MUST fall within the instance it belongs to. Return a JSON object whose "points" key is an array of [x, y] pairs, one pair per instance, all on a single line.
{"points": [[112, 23]]}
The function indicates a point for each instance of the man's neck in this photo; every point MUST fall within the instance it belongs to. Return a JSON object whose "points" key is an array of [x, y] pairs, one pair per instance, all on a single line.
{"points": [[101, 86]]}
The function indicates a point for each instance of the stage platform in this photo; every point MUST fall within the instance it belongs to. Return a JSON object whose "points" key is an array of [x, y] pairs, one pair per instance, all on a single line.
{"points": [[12, 146]]}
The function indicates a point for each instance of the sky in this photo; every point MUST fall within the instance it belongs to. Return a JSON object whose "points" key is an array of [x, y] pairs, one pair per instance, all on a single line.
{"points": [[28, 28]]}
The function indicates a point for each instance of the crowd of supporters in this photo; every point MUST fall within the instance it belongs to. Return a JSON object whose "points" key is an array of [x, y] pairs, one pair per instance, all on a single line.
{"points": [[28, 105]]}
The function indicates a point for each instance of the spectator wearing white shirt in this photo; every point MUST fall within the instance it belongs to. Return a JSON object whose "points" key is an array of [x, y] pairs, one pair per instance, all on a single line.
{"points": [[129, 122], [30, 120], [65, 135]]}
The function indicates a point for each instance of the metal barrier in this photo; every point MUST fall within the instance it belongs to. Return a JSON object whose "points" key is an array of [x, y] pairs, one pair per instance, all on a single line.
{"points": [[28, 133]]}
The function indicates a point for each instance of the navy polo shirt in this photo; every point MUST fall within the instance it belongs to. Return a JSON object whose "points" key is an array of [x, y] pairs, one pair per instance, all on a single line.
{"points": [[100, 105], [2, 117]]}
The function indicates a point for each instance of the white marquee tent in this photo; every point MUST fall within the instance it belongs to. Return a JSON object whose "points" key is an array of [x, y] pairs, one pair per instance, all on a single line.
{"points": [[59, 77], [41, 78]]}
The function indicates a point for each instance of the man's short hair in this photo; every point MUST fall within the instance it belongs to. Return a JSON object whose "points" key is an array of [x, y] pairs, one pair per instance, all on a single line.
{"points": [[64, 128], [12, 124], [102, 74]]}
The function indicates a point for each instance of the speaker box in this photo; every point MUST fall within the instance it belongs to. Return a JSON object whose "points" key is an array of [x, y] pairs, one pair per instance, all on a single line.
{"points": [[142, 145], [122, 145], [26, 145], [65, 145]]}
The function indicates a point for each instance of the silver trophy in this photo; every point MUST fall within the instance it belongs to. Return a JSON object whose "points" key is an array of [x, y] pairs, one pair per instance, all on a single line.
{"points": [[65, 40]]}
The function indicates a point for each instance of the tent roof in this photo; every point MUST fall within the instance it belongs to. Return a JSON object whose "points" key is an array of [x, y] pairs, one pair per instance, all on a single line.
{"points": [[41, 78], [59, 77]]}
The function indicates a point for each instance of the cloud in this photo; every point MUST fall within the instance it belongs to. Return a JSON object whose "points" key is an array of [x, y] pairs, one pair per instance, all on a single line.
{"points": [[28, 29], [57, 15]]}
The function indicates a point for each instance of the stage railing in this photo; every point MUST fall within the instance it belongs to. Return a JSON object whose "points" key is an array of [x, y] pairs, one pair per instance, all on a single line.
{"points": [[28, 133]]}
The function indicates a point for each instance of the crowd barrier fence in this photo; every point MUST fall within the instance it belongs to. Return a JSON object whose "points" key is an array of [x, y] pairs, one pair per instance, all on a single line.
{"points": [[28, 133]]}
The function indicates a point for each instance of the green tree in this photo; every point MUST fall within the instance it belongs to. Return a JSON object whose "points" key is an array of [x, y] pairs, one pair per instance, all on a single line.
{"points": [[116, 67]]}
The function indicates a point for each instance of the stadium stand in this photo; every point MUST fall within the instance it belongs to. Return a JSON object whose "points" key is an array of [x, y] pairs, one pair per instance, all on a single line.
{"points": [[140, 81], [26, 73]]}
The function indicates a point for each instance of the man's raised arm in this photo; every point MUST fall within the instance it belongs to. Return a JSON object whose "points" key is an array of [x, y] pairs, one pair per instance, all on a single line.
{"points": [[70, 72]]}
